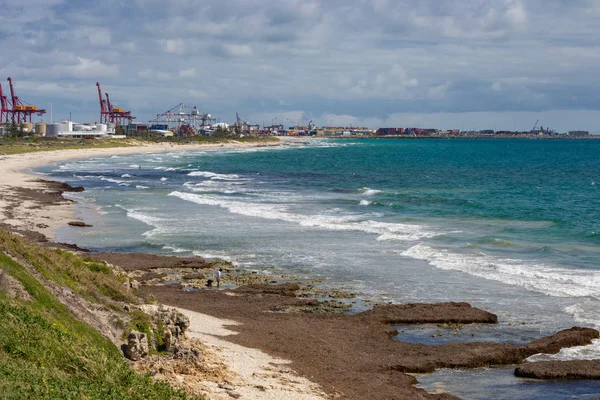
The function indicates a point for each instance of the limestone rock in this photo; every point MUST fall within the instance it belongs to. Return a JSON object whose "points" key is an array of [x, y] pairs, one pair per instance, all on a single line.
{"points": [[572, 369], [137, 346], [13, 287]]}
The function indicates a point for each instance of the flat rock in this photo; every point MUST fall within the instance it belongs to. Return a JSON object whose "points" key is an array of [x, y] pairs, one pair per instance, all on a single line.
{"points": [[572, 369], [418, 313], [79, 224]]}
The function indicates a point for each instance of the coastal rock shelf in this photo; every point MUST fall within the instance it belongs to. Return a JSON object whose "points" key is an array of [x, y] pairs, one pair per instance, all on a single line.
{"points": [[572, 369], [440, 313]]}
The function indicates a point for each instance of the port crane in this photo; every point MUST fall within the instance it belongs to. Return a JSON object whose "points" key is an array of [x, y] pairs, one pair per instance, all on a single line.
{"points": [[21, 111], [110, 113], [535, 125], [183, 119], [4, 110]]}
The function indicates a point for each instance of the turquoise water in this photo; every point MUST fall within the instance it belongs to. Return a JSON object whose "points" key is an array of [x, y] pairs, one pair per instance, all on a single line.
{"points": [[507, 225]]}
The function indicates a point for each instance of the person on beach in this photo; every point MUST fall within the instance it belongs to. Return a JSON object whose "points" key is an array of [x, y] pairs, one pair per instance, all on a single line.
{"points": [[218, 276]]}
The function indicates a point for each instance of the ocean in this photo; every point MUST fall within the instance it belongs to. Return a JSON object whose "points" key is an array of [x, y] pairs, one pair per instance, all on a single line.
{"points": [[511, 226]]}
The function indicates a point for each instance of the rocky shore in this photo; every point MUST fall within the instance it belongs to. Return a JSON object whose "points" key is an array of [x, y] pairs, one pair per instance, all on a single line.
{"points": [[354, 356]]}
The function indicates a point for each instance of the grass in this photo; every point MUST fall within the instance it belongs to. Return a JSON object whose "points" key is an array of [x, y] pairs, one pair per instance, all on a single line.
{"points": [[45, 353], [29, 145], [89, 278], [34, 144]]}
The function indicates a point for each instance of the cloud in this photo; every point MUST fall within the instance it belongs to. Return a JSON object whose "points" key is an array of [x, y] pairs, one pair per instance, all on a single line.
{"points": [[173, 46], [86, 68], [359, 61], [188, 73]]}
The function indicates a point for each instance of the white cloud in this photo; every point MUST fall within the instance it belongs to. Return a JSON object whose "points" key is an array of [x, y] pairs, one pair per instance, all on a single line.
{"points": [[86, 68], [188, 73], [173, 46]]}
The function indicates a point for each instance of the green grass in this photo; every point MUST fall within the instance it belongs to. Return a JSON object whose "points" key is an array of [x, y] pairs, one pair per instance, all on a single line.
{"points": [[45, 353], [34, 144], [29, 145], [89, 278]]}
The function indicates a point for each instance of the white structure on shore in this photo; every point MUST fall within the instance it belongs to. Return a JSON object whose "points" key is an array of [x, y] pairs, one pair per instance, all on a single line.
{"points": [[70, 129]]}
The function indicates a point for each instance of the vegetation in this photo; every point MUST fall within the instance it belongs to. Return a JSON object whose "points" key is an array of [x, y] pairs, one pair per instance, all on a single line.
{"points": [[91, 279], [45, 353], [18, 145]]}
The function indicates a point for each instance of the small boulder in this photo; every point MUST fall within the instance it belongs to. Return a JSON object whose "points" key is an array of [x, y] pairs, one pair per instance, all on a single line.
{"points": [[137, 346], [79, 224]]}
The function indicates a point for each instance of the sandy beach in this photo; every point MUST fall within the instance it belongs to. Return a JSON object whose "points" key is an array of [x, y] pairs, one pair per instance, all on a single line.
{"points": [[277, 354]]}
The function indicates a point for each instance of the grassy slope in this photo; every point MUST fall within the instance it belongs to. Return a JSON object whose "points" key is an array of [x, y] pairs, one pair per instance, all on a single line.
{"points": [[29, 145], [47, 353]]}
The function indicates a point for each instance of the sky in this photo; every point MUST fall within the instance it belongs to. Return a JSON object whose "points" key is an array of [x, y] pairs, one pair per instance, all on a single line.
{"points": [[447, 64]]}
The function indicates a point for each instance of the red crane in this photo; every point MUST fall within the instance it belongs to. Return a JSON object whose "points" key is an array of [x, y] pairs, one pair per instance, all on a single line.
{"points": [[4, 108], [104, 113], [21, 111], [110, 113]]}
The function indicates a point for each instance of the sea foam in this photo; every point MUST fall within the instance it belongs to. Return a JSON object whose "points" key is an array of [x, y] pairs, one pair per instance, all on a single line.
{"points": [[386, 230], [553, 281]]}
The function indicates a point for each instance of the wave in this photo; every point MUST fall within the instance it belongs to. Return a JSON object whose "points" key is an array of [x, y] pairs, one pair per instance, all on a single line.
{"points": [[365, 203], [337, 223], [553, 281], [214, 175], [370, 192], [125, 176], [112, 180]]}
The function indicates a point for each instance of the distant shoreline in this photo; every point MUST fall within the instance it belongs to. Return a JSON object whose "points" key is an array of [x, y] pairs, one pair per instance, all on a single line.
{"points": [[479, 137]]}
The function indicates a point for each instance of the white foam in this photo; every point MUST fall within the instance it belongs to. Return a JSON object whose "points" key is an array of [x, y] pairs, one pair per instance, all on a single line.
{"points": [[125, 176], [142, 187], [553, 281], [176, 249], [112, 180], [145, 218], [370, 192], [338, 223], [588, 352], [214, 175], [365, 203], [134, 166], [163, 179]]}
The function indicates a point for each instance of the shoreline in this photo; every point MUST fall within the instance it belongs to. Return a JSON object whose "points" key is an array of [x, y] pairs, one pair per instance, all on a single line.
{"points": [[370, 336], [17, 206]]}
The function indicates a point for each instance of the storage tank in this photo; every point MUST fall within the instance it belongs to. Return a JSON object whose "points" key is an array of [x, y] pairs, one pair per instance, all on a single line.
{"points": [[40, 129], [52, 130], [27, 126]]}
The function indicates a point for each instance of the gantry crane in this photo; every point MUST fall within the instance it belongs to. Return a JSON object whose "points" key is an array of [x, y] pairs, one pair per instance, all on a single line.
{"points": [[21, 111], [183, 120], [4, 107], [110, 113]]}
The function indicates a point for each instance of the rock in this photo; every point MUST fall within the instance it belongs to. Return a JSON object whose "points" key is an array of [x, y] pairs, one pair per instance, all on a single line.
{"points": [[573, 369], [13, 288], [80, 224], [226, 387], [137, 346], [187, 354], [456, 313], [168, 339], [133, 284]]}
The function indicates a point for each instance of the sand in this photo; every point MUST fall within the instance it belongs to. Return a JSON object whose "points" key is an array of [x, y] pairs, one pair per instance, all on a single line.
{"points": [[260, 375]]}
